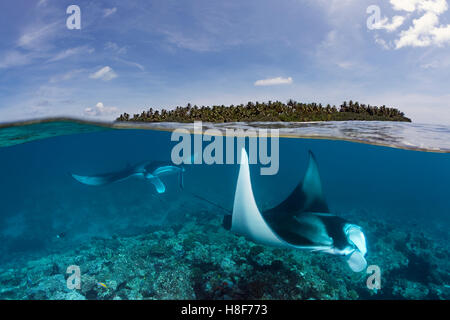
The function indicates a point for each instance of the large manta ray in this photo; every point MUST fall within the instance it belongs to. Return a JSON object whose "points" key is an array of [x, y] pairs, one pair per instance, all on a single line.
{"points": [[302, 221], [150, 170]]}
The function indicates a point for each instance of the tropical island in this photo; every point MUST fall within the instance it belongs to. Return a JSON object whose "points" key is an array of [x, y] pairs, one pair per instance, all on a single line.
{"points": [[273, 111]]}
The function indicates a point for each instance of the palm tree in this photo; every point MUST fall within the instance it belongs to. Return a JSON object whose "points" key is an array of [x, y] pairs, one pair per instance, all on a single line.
{"points": [[269, 111]]}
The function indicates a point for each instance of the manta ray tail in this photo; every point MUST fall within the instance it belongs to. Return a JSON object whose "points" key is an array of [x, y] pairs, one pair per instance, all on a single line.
{"points": [[181, 179]]}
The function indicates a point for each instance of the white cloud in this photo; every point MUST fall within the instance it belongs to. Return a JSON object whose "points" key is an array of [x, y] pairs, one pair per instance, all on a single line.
{"points": [[382, 42], [66, 76], [120, 51], [108, 12], [273, 81], [420, 34], [334, 5], [42, 3], [131, 63], [335, 51], [37, 37], [100, 110], [441, 35], [116, 48], [436, 6], [194, 43], [425, 30], [397, 21], [105, 74], [434, 60], [404, 5], [14, 59], [72, 52], [345, 64]]}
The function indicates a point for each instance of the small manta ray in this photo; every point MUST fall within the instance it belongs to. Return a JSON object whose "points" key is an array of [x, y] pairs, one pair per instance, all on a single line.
{"points": [[150, 170], [61, 235], [302, 221]]}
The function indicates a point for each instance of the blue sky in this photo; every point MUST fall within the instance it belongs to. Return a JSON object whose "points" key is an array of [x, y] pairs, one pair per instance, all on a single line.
{"points": [[136, 54]]}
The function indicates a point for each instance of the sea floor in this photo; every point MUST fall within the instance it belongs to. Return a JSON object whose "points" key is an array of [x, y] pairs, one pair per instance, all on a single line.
{"points": [[195, 258]]}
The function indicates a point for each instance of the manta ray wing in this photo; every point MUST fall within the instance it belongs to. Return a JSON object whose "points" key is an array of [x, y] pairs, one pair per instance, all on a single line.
{"points": [[107, 178], [300, 218], [247, 219], [161, 169], [308, 196]]}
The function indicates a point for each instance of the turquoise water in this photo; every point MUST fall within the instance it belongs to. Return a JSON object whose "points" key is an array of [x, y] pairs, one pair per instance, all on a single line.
{"points": [[396, 195]]}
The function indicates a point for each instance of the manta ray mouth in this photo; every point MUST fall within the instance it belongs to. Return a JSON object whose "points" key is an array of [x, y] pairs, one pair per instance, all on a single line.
{"points": [[356, 237], [356, 261]]}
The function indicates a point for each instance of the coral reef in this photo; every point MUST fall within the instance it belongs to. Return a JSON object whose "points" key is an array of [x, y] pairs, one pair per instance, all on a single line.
{"points": [[200, 260]]}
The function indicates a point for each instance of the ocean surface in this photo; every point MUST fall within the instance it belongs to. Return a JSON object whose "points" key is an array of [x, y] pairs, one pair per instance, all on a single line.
{"points": [[393, 179]]}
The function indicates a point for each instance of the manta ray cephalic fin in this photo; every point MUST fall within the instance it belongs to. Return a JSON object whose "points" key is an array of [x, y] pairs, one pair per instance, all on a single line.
{"points": [[157, 183]]}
